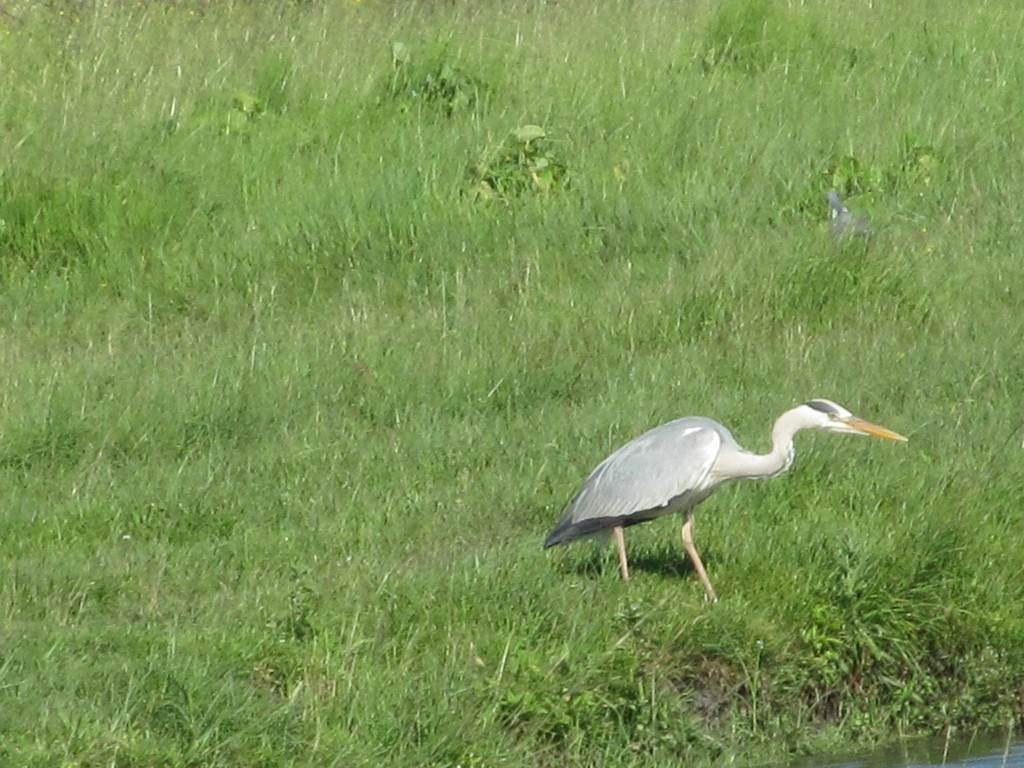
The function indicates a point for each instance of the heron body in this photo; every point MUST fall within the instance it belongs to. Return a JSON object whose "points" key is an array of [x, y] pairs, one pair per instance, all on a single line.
{"points": [[674, 467]]}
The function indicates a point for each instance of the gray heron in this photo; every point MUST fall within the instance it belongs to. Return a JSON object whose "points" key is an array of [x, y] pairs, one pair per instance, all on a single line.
{"points": [[674, 467], [841, 221]]}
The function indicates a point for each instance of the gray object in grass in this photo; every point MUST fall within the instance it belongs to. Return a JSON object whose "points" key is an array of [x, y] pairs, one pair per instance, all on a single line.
{"points": [[841, 221]]}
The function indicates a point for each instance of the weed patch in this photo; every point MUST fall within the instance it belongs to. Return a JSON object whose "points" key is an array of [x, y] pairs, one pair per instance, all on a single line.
{"points": [[432, 80], [527, 161]]}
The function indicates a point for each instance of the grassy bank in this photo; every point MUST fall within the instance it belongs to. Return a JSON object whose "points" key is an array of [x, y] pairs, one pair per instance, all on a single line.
{"points": [[307, 335]]}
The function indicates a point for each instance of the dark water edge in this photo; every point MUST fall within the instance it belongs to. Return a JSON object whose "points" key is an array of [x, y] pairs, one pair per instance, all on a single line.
{"points": [[989, 751]]}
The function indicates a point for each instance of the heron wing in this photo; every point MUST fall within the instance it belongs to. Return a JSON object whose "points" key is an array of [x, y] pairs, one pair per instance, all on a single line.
{"points": [[659, 472]]}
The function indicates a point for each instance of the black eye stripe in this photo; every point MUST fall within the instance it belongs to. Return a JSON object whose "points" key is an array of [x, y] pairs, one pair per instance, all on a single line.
{"points": [[823, 407]]}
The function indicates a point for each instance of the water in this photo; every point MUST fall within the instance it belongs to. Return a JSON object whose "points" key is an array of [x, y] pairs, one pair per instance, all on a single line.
{"points": [[976, 752]]}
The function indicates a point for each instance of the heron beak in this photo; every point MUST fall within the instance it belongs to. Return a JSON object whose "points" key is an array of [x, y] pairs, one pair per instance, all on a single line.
{"points": [[867, 428]]}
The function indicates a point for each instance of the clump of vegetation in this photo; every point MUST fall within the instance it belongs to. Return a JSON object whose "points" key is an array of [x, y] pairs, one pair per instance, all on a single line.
{"points": [[862, 636], [526, 161], [431, 80], [269, 95], [556, 703], [915, 165], [750, 35]]}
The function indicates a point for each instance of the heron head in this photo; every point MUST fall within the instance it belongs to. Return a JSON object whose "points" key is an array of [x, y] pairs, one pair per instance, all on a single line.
{"points": [[832, 417]]}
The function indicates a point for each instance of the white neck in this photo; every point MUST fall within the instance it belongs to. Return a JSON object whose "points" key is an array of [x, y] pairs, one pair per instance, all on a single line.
{"points": [[776, 461]]}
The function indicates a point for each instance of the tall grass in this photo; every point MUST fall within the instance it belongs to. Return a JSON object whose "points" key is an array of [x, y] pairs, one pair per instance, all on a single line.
{"points": [[303, 348]]}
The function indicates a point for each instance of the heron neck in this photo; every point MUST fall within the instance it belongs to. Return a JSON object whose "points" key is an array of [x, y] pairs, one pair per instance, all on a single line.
{"points": [[776, 461], [781, 456]]}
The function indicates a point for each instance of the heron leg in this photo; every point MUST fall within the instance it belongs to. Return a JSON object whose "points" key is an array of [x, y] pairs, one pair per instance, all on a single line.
{"points": [[698, 566], [620, 548]]}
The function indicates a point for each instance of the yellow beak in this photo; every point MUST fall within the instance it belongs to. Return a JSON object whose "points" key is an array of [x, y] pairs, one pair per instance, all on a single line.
{"points": [[873, 429]]}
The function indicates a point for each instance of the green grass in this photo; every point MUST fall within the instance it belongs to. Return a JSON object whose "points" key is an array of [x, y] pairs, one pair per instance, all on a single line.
{"points": [[288, 399]]}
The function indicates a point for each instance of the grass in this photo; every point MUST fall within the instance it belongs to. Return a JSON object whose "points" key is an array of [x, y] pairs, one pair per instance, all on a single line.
{"points": [[306, 338]]}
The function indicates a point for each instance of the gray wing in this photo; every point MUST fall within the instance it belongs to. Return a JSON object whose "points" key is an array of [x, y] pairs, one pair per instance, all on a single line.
{"points": [[657, 473]]}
